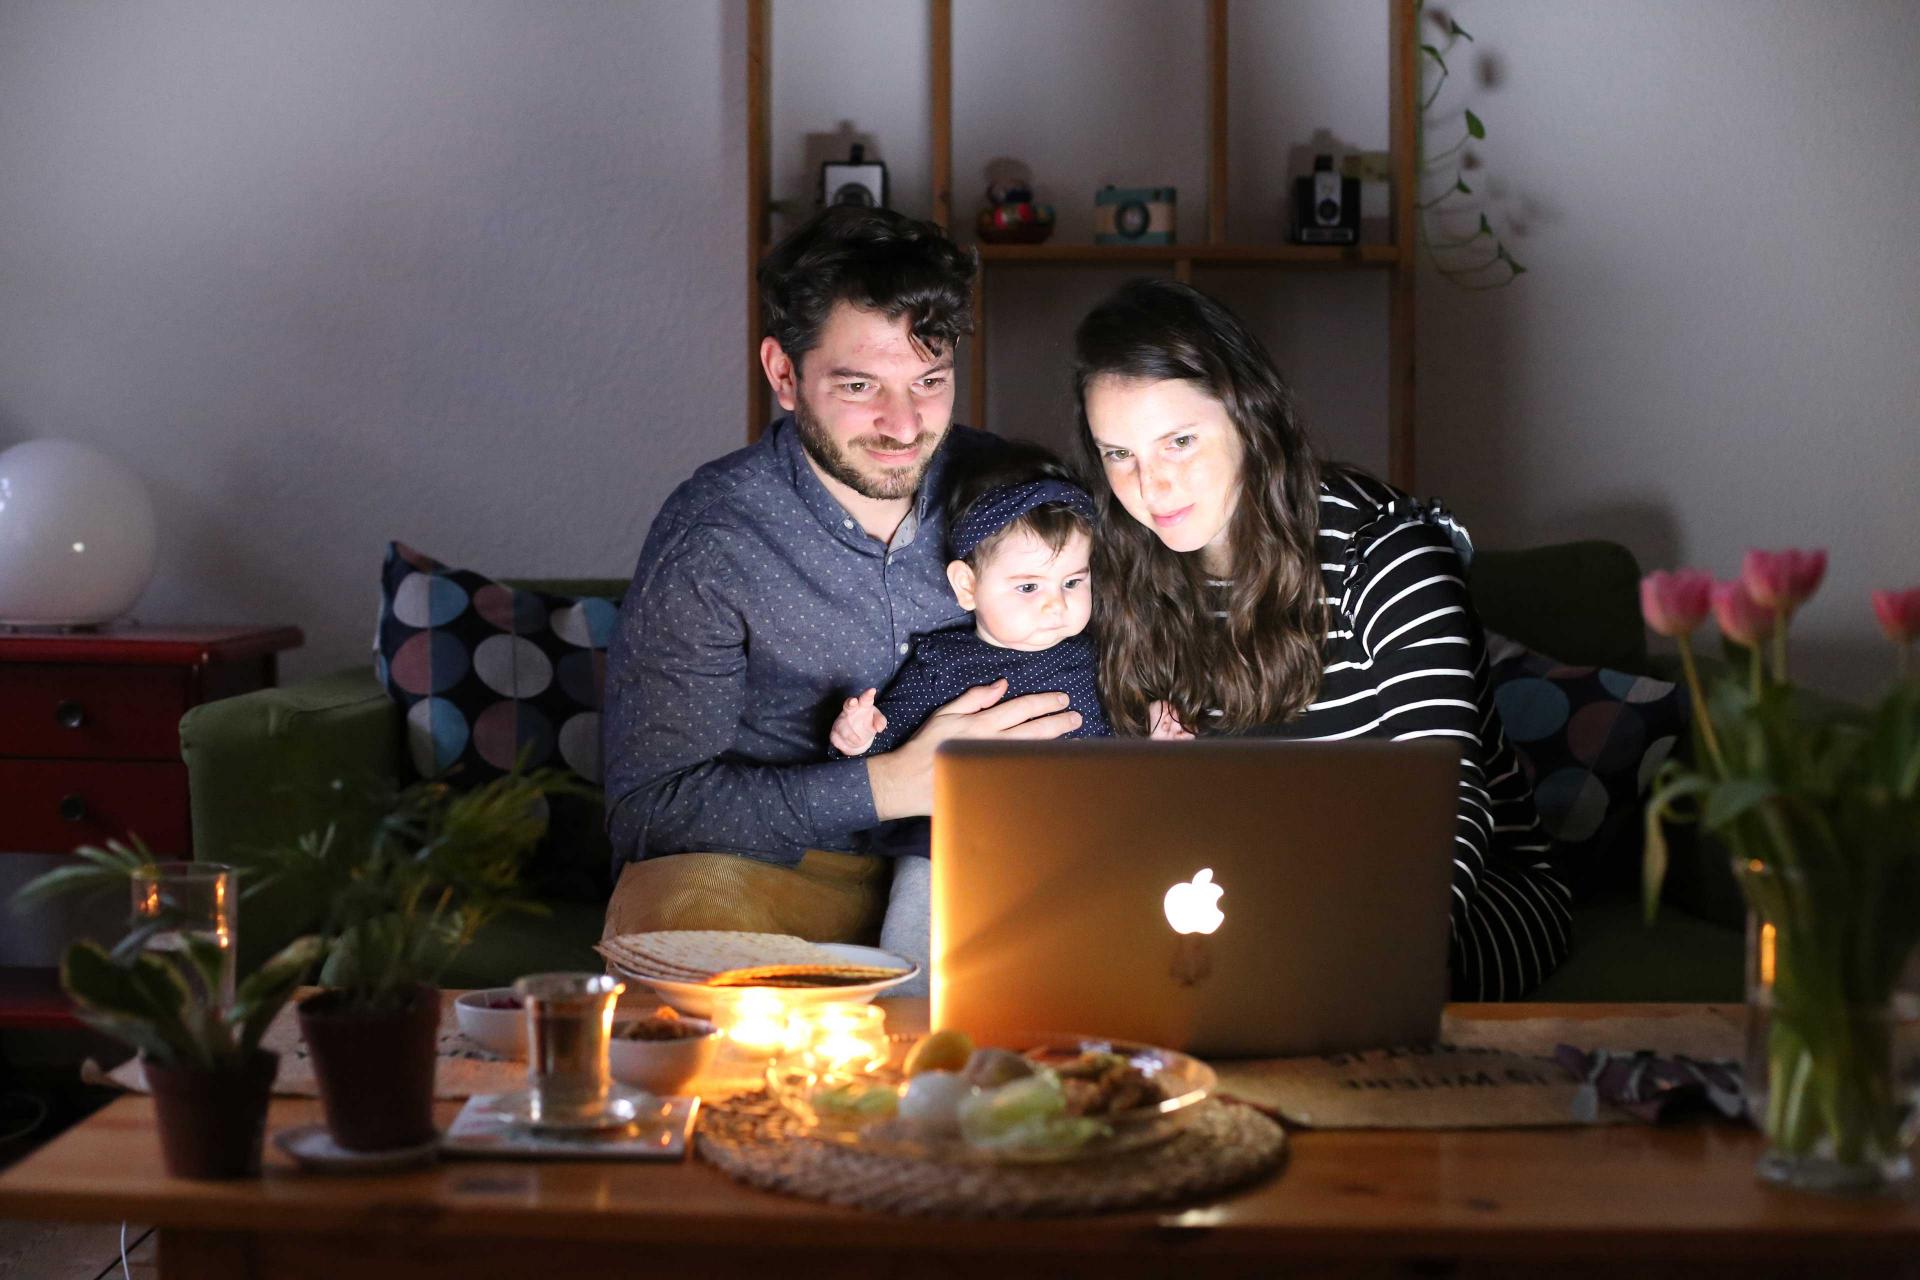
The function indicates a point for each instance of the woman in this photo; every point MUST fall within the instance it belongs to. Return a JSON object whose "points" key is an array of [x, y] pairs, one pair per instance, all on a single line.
{"points": [[1244, 587]]}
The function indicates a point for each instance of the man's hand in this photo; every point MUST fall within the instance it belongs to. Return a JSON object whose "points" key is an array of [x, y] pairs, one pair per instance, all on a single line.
{"points": [[858, 724], [902, 779], [1164, 724]]}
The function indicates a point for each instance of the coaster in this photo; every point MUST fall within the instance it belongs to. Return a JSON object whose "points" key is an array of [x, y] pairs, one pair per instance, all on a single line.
{"points": [[623, 1106], [313, 1148], [659, 1132]]}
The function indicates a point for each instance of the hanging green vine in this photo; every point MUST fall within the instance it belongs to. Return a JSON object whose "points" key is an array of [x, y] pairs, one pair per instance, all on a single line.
{"points": [[1474, 259]]}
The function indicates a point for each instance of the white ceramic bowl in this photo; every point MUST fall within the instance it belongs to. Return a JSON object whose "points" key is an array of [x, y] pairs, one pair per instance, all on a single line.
{"points": [[660, 1066], [501, 1031]]}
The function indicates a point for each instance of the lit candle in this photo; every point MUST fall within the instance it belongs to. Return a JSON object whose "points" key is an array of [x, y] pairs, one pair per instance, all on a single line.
{"points": [[847, 1039], [757, 1021]]}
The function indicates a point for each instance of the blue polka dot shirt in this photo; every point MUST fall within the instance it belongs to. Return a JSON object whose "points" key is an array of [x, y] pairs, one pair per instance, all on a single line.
{"points": [[945, 665], [757, 607]]}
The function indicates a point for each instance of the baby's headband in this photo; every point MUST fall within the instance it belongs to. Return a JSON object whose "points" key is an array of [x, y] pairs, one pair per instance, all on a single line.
{"points": [[998, 508]]}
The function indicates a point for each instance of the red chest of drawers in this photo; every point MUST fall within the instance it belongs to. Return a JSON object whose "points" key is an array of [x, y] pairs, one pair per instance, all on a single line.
{"points": [[90, 743]]}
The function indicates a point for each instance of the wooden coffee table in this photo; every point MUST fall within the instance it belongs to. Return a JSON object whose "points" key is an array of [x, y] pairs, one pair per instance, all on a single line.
{"points": [[1602, 1201]]}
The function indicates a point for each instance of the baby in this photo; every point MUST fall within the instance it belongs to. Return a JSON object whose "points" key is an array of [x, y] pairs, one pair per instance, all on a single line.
{"points": [[1020, 546], [1021, 536]]}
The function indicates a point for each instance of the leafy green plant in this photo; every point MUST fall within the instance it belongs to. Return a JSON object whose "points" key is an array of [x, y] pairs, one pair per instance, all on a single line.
{"points": [[101, 869], [437, 864], [165, 1004], [1472, 257], [98, 870], [148, 1000]]}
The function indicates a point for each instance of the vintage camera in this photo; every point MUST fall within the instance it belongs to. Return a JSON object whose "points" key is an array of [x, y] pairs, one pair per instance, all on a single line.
{"points": [[1326, 206], [1134, 215], [855, 180]]}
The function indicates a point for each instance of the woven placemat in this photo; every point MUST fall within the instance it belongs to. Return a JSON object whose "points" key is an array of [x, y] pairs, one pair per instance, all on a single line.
{"points": [[756, 1141]]}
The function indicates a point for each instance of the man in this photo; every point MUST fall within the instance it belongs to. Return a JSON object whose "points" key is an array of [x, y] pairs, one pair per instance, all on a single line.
{"points": [[786, 577]]}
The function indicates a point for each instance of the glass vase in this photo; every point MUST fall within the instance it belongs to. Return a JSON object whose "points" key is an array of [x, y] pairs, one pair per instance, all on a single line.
{"points": [[1832, 1070], [178, 904]]}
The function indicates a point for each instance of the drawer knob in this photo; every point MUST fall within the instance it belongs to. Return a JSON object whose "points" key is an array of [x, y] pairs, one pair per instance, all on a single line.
{"points": [[70, 714], [73, 808]]}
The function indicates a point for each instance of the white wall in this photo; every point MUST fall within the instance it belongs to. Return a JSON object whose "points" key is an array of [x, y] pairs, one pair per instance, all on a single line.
{"points": [[1718, 342], [470, 275]]}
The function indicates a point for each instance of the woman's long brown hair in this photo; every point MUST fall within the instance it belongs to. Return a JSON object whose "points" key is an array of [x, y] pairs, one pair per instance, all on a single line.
{"points": [[1154, 607]]}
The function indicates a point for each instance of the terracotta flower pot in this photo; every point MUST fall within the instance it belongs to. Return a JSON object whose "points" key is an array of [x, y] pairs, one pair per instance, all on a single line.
{"points": [[375, 1070], [212, 1123]]}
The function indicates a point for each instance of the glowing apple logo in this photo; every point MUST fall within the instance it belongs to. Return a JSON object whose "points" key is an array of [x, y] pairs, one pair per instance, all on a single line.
{"points": [[1195, 907]]}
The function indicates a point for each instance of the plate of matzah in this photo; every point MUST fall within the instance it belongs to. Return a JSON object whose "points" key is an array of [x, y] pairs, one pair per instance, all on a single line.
{"points": [[688, 968]]}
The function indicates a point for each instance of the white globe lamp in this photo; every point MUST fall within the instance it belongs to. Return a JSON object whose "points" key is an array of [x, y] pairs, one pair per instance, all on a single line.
{"points": [[77, 535]]}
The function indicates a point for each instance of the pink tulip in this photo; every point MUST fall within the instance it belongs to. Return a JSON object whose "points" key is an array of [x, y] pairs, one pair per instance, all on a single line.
{"points": [[1783, 579], [1742, 619], [1675, 603], [1899, 614]]}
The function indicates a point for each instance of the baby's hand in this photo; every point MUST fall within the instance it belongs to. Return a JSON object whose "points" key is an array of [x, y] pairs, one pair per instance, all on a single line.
{"points": [[1163, 723], [858, 723]]}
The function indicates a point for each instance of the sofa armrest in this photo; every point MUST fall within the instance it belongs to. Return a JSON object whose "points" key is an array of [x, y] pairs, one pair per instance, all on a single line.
{"points": [[258, 769]]}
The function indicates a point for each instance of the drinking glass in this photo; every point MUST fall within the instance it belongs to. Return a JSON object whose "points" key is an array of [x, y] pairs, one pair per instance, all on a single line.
{"points": [[182, 903], [569, 1023]]}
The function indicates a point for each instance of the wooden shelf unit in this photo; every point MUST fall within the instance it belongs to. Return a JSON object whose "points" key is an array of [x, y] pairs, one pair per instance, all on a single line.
{"points": [[1398, 259], [1300, 256]]}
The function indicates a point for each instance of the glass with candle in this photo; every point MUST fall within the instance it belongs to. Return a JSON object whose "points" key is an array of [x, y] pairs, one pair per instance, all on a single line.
{"points": [[844, 1046], [182, 904], [569, 1022], [846, 1039], [757, 1036]]}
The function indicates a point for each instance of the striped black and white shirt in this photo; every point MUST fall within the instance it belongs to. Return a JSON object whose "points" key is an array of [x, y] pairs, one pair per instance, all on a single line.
{"points": [[1405, 659]]}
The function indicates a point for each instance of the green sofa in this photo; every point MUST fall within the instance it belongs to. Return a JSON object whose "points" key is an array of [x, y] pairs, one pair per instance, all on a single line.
{"points": [[258, 765]]}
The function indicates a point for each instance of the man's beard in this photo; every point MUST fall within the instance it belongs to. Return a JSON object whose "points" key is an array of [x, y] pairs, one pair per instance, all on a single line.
{"points": [[894, 482]]}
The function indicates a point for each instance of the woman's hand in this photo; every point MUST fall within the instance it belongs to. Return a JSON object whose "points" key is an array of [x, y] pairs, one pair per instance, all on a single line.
{"points": [[858, 724], [1163, 723], [902, 779]]}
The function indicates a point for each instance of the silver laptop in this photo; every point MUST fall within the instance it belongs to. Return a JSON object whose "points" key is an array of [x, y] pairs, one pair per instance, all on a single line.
{"points": [[1232, 897]]}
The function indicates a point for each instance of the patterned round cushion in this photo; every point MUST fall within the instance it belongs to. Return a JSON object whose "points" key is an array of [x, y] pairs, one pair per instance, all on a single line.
{"points": [[1591, 741], [486, 674]]}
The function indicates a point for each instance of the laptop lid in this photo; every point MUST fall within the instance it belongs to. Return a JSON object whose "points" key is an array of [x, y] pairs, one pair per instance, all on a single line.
{"points": [[1313, 880]]}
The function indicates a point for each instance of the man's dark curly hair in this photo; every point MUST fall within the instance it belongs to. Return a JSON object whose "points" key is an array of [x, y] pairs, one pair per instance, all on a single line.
{"points": [[875, 259]]}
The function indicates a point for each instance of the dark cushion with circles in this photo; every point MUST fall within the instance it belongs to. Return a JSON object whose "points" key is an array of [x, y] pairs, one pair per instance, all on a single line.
{"points": [[487, 673], [1591, 740]]}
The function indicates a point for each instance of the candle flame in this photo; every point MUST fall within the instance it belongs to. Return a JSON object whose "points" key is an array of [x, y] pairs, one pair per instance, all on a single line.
{"points": [[845, 1038], [761, 1023]]}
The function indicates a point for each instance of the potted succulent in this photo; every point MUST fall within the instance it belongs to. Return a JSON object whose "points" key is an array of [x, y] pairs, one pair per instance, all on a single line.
{"points": [[160, 991], [209, 1076], [1821, 807], [396, 907]]}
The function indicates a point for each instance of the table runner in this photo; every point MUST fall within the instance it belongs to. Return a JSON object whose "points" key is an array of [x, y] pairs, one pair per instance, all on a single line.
{"points": [[1485, 1073]]}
